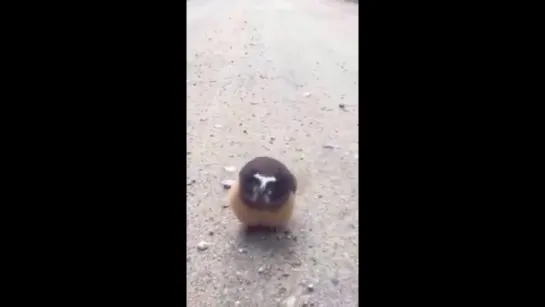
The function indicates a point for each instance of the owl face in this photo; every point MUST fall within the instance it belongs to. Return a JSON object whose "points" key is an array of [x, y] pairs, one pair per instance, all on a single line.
{"points": [[266, 184]]}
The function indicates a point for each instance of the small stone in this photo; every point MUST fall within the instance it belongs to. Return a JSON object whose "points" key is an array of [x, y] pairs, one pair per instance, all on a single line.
{"points": [[261, 270], [335, 281], [306, 94], [230, 169], [310, 287], [227, 183], [210, 233], [296, 263], [242, 250], [330, 146], [217, 125], [237, 303], [203, 245], [342, 105], [192, 181]]}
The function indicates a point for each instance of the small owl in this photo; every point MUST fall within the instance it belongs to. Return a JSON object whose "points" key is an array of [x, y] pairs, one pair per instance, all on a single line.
{"points": [[264, 194]]}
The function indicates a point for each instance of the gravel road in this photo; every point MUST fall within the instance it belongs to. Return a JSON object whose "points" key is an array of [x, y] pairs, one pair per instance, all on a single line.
{"points": [[276, 78]]}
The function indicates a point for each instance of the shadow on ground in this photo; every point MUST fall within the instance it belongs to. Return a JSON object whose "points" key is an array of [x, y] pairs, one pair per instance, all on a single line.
{"points": [[265, 239]]}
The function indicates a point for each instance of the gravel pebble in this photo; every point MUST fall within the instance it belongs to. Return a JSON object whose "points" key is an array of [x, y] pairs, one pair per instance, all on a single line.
{"points": [[230, 169], [330, 146], [296, 263], [227, 183], [203, 245]]}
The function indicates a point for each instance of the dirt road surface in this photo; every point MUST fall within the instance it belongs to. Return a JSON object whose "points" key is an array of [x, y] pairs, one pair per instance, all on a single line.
{"points": [[276, 78]]}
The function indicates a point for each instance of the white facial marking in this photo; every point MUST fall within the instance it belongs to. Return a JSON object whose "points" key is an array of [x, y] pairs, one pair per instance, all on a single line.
{"points": [[264, 180], [267, 196], [255, 193]]}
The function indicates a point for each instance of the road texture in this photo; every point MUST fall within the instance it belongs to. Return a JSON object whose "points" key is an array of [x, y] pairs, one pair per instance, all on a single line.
{"points": [[276, 78]]}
